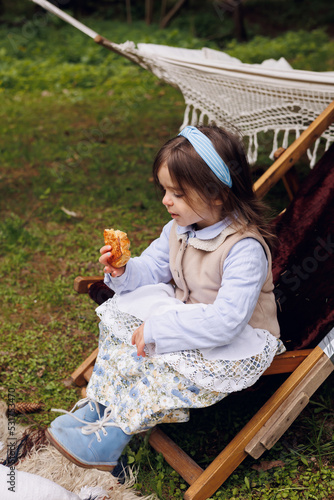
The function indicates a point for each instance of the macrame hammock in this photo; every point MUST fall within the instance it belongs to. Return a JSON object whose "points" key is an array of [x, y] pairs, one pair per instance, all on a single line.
{"points": [[220, 89]]}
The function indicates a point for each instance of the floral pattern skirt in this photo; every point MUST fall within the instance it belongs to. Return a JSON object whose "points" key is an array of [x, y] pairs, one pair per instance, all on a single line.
{"points": [[145, 391], [142, 392]]}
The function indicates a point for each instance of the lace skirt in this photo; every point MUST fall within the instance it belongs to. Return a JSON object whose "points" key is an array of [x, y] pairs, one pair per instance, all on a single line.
{"points": [[145, 391]]}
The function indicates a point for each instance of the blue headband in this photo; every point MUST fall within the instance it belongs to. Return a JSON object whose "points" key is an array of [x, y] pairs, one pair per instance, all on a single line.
{"points": [[204, 147]]}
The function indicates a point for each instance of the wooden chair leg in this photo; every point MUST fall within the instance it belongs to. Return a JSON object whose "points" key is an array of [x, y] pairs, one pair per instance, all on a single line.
{"points": [[175, 456], [83, 373], [319, 366]]}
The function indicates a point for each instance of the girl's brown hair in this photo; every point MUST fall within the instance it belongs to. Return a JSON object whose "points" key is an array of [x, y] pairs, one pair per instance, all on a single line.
{"points": [[188, 170]]}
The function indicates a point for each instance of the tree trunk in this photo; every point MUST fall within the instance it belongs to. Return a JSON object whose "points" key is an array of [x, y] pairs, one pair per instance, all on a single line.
{"points": [[128, 11], [77, 8], [163, 9], [239, 24], [171, 13], [148, 11]]}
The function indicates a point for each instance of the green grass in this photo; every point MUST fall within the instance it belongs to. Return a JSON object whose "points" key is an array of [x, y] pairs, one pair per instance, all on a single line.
{"points": [[42, 248], [79, 128]]}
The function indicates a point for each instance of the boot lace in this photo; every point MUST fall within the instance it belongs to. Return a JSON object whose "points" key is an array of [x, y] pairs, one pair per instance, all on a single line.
{"points": [[99, 425], [79, 404], [91, 427]]}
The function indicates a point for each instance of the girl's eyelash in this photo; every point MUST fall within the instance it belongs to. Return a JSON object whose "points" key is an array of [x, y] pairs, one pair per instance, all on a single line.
{"points": [[177, 195]]}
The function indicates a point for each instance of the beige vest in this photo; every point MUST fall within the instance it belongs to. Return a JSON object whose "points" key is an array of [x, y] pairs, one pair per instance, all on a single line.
{"points": [[202, 261]]}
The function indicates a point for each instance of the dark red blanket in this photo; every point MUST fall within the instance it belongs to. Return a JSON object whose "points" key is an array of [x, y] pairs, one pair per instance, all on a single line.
{"points": [[303, 267]]}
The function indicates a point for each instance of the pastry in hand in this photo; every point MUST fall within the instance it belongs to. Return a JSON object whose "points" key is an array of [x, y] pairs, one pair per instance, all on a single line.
{"points": [[120, 243]]}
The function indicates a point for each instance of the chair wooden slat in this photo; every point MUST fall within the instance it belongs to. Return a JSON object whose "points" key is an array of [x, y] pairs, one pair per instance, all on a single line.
{"points": [[287, 362], [78, 375], [82, 283], [292, 154]]}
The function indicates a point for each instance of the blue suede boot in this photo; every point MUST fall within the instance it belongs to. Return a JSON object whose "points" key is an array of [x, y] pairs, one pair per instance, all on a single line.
{"points": [[86, 447], [89, 411]]}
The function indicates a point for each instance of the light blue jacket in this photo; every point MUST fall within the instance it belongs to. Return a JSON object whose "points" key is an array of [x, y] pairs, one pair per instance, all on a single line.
{"points": [[244, 273]]}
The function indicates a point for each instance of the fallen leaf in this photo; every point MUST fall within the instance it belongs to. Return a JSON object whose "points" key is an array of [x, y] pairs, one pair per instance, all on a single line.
{"points": [[70, 213], [41, 372], [267, 465], [68, 382]]}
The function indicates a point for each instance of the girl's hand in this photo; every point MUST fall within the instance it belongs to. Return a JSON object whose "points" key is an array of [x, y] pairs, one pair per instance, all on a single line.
{"points": [[105, 254], [138, 339]]}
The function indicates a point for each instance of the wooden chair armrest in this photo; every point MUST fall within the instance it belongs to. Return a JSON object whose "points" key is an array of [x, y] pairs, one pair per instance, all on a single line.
{"points": [[82, 283], [292, 154], [287, 362]]}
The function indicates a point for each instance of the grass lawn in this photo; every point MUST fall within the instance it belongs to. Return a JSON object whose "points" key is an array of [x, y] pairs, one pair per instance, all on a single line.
{"points": [[79, 128]]}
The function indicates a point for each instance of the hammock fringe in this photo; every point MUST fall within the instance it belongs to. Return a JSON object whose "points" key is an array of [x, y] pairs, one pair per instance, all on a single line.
{"points": [[270, 96]]}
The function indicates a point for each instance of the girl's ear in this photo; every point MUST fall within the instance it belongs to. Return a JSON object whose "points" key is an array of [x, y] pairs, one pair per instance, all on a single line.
{"points": [[221, 200]]}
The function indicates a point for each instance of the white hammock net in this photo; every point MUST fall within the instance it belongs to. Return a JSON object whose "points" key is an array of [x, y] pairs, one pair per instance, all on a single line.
{"points": [[220, 89]]}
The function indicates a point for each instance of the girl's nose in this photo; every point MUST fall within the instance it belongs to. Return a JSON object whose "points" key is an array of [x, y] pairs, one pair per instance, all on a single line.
{"points": [[166, 200]]}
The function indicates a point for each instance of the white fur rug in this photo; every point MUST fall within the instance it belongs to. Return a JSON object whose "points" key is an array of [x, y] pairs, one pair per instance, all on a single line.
{"points": [[48, 463]]}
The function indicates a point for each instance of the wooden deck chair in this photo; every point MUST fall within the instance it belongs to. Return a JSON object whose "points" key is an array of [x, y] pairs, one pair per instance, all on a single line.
{"points": [[303, 275]]}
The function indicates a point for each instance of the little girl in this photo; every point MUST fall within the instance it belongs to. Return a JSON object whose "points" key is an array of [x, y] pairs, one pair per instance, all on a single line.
{"points": [[193, 318]]}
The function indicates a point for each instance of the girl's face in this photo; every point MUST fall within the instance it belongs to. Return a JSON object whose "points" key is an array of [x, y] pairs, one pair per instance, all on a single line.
{"points": [[180, 210]]}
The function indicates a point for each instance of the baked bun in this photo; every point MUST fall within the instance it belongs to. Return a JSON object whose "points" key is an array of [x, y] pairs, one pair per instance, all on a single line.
{"points": [[120, 243]]}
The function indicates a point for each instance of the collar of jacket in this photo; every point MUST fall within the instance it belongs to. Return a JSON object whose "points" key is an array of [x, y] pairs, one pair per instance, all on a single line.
{"points": [[208, 245]]}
